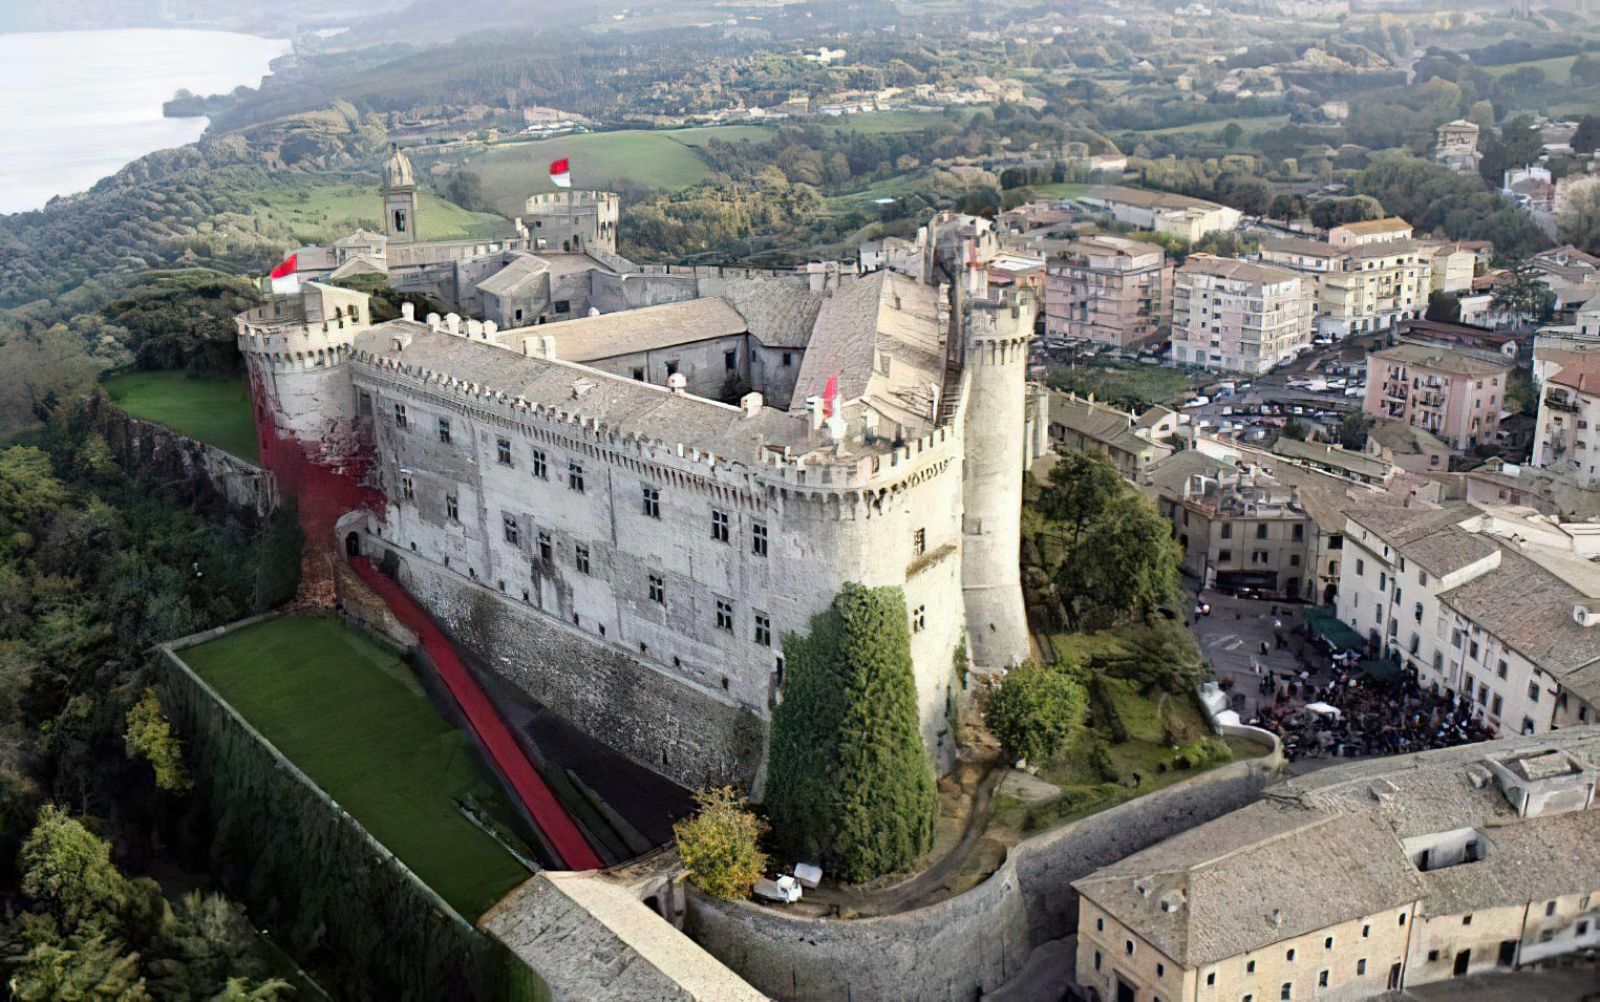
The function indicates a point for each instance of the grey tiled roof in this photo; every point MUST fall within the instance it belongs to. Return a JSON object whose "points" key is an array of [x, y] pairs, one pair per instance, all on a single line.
{"points": [[523, 269], [780, 312], [1330, 455], [608, 335]]}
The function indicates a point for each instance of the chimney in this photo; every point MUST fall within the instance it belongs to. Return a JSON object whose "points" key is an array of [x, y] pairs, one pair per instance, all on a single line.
{"points": [[814, 405], [751, 404], [678, 383], [408, 311]]}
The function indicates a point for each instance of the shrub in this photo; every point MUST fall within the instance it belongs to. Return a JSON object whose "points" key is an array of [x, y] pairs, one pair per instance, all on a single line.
{"points": [[1102, 763], [1035, 711], [149, 736], [848, 781], [721, 844]]}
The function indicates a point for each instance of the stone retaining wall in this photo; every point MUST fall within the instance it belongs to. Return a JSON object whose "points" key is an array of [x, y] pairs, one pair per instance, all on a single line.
{"points": [[971, 944], [203, 476]]}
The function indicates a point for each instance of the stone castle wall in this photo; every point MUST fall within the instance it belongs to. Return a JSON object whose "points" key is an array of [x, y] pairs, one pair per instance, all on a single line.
{"points": [[969, 945], [681, 731], [203, 475]]}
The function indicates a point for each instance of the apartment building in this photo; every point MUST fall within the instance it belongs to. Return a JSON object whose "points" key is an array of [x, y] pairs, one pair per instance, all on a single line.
{"points": [[1566, 438], [1163, 211], [1366, 276], [1238, 316], [1358, 880], [1450, 394], [1488, 602], [1108, 290]]}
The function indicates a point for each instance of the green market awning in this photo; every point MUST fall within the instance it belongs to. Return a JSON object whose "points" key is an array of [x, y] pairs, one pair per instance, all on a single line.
{"points": [[1325, 623]]}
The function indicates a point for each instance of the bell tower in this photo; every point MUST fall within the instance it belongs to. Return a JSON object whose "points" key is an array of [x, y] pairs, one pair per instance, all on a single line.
{"points": [[399, 198]]}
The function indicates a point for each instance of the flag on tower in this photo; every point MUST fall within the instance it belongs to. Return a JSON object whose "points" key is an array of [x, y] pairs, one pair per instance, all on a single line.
{"points": [[285, 278], [560, 173], [830, 396]]}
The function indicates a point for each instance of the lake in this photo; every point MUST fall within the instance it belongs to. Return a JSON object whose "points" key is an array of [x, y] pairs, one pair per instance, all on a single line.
{"points": [[81, 105]]}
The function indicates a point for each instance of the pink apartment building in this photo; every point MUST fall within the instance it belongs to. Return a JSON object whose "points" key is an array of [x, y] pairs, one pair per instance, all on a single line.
{"points": [[1453, 395]]}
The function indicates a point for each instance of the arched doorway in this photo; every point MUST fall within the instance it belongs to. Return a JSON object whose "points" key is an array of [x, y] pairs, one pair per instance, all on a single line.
{"points": [[352, 544]]}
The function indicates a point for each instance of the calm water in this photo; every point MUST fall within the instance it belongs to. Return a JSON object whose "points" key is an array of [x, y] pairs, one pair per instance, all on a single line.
{"points": [[76, 106]]}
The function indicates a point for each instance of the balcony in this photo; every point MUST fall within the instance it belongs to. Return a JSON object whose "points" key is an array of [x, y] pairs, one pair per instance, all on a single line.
{"points": [[1561, 402]]}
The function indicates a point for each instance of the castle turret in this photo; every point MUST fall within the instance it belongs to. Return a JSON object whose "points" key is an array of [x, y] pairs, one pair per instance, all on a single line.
{"points": [[996, 336], [399, 198]]}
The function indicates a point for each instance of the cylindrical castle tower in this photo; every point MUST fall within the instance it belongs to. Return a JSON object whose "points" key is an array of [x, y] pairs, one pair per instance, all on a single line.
{"points": [[997, 333]]}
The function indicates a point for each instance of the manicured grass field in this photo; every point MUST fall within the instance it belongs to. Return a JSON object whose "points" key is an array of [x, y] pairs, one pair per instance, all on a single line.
{"points": [[326, 211], [215, 411], [657, 159], [350, 715], [1557, 70]]}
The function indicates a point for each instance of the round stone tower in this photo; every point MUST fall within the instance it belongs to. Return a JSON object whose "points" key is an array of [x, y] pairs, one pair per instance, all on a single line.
{"points": [[997, 332], [399, 197]]}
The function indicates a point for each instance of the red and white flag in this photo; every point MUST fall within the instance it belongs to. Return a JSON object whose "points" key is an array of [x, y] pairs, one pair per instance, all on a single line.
{"points": [[285, 278], [830, 396], [561, 173]]}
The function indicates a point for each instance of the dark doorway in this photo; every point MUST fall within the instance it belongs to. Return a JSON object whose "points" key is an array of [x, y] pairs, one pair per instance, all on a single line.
{"points": [[1126, 992], [1508, 953], [1462, 960], [1394, 976], [352, 544]]}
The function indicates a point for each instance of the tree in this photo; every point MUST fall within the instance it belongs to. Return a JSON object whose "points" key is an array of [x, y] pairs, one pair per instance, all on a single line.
{"points": [[1231, 134], [1160, 655], [90, 969], [149, 736], [721, 844], [849, 782], [1123, 570], [1518, 144], [68, 869], [1445, 307], [1579, 220], [1587, 137], [1082, 486], [1035, 711], [1353, 428], [1525, 297], [1295, 428]]}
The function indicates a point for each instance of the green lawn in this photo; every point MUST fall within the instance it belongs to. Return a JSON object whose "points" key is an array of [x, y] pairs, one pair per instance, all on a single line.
{"points": [[352, 717], [213, 410], [1125, 384], [1250, 125], [315, 212], [883, 122], [1557, 70], [658, 159]]}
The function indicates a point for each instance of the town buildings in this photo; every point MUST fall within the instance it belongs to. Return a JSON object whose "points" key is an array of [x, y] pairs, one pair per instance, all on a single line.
{"points": [[1567, 433], [1108, 290], [1163, 211], [1358, 880], [1237, 315], [1488, 602], [1453, 395], [1367, 276], [1131, 442], [1456, 146]]}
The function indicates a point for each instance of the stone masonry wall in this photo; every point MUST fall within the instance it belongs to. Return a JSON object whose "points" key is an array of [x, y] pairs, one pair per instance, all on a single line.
{"points": [[969, 945], [679, 731], [203, 475]]}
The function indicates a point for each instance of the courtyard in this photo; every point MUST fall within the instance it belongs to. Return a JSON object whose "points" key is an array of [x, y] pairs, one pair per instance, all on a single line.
{"points": [[351, 715]]}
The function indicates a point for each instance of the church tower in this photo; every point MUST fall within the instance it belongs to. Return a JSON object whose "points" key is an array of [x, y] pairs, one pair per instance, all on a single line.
{"points": [[399, 198]]}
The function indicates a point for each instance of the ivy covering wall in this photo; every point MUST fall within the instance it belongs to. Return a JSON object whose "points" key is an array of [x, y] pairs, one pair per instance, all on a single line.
{"points": [[850, 784]]}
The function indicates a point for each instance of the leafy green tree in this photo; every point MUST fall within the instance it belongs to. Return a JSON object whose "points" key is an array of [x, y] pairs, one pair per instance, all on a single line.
{"points": [[95, 969], [68, 869], [721, 844], [1035, 711], [1525, 298], [1579, 220], [849, 782], [149, 736], [1445, 307], [1160, 655], [1081, 489], [1353, 428], [1587, 137], [1124, 569], [1295, 428]]}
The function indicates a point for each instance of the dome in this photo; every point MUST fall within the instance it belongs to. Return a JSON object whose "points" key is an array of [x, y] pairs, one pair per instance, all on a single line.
{"points": [[397, 171]]}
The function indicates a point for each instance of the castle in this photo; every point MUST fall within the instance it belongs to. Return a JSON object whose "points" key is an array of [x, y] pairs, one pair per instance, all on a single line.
{"points": [[624, 513]]}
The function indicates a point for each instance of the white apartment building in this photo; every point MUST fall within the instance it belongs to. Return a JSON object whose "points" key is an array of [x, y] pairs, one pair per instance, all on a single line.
{"points": [[1566, 438], [1366, 276], [1490, 603], [1237, 315]]}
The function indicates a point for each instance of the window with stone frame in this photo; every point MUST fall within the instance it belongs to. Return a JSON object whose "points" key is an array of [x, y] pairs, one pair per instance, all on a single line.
{"points": [[400, 420], [540, 468], [658, 589], [651, 497], [444, 430], [575, 477], [452, 508], [580, 557], [513, 532], [720, 526], [725, 615], [546, 547], [758, 538], [502, 448], [763, 633]]}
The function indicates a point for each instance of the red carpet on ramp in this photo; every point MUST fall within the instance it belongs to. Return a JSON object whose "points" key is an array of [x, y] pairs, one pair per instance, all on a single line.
{"points": [[559, 830]]}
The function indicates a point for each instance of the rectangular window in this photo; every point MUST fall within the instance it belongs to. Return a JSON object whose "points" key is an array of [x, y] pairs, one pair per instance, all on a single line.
{"points": [[1224, 556], [452, 510], [1227, 530], [1533, 692], [658, 589], [408, 489], [763, 630], [788, 359], [575, 477], [919, 542], [502, 448], [919, 619], [399, 415], [1361, 567], [444, 430], [540, 469], [652, 502], [719, 526], [758, 538], [638, 375], [580, 555], [1322, 979], [512, 530], [1261, 530], [730, 361], [1500, 669], [1299, 532], [546, 550], [1361, 967], [724, 615], [1287, 991]]}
